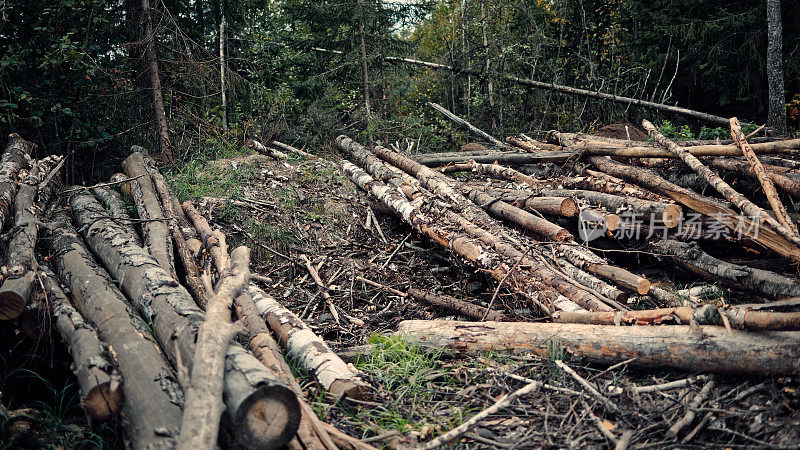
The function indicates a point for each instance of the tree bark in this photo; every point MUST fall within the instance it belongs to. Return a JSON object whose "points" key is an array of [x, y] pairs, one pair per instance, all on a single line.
{"points": [[155, 84], [472, 129], [761, 174], [15, 159], [203, 409], [153, 398], [600, 182], [505, 158], [156, 231], [92, 360], [21, 265], [113, 202], [785, 183], [667, 213], [675, 347], [309, 349], [571, 91], [776, 116], [176, 319], [223, 90], [741, 202], [261, 148], [692, 257], [466, 308], [364, 66]]}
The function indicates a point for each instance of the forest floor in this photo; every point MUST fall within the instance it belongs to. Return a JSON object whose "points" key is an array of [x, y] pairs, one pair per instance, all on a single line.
{"points": [[286, 209]]}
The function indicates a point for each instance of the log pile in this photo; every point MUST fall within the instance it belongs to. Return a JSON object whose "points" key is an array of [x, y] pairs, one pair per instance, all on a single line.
{"points": [[547, 240], [151, 336]]}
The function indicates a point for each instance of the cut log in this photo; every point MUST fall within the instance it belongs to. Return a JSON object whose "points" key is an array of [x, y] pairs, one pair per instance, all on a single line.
{"points": [[504, 158], [203, 409], [595, 265], [746, 206], [21, 265], [667, 213], [207, 237], [694, 259], [785, 183], [492, 170], [261, 148], [557, 206], [176, 319], [310, 432], [92, 360], [737, 317], [112, 200], [156, 233], [461, 306], [704, 205], [472, 129], [15, 159], [600, 182], [713, 350], [761, 174], [153, 398], [569, 90], [309, 349], [612, 295]]}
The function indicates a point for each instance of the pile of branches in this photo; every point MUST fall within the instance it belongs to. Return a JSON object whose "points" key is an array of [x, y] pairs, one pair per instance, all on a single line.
{"points": [[519, 230], [150, 309]]}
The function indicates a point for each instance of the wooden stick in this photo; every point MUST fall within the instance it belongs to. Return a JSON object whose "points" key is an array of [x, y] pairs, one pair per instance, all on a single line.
{"points": [[671, 385], [690, 413], [586, 385], [474, 130], [766, 183]]}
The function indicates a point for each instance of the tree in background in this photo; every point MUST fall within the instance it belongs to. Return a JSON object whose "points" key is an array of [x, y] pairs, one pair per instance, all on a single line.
{"points": [[776, 117]]}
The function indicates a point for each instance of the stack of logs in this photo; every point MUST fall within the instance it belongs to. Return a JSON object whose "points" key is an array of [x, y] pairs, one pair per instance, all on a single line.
{"points": [[514, 226], [151, 334]]}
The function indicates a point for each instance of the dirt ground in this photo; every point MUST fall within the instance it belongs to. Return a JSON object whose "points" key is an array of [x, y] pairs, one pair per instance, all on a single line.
{"points": [[286, 209]]}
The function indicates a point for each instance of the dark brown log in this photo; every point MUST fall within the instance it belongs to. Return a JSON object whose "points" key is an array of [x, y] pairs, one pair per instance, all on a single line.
{"points": [[156, 233], [203, 407], [21, 265], [15, 158], [461, 306], [737, 317], [249, 388], [714, 349], [570, 90], [92, 361], [309, 349], [310, 432], [112, 200], [153, 398], [472, 129], [557, 206], [704, 205], [693, 258]]}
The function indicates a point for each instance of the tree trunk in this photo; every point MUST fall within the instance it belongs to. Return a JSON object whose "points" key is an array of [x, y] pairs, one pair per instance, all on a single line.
{"points": [[113, 202], [156, 231], [689, 255], [785, 183], [261, 148], [776, 117], [223, 93], [155, 84], [504, 158], [153, 398], [364, 66], [462, 307], [203, 409], [93, 362], [21, 265], [667, 213], [14, 159], [176, 319], [472, 128], [487, 67], [308, 349], [673, 347]]}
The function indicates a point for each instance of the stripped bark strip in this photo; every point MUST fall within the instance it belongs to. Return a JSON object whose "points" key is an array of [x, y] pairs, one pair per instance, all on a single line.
{"points": [[704, 205], [766, 183], [156, 234], [15, 159], [741, 202], [92, 360], [693, 258], [113, 202], [461, 306], [153, 398], [21, 265], [309, 349], [713, 350], [203, 408]]}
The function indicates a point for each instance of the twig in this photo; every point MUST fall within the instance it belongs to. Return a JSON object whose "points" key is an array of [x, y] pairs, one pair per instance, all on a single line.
{"points": [[615, 366], [500, 284], [377, 225], [110, 183], [624, 441], [598, 422], [399, 246], [322, 287], [690, 413], [582, 381], [469, 424], [671, 385], [381, 286]]}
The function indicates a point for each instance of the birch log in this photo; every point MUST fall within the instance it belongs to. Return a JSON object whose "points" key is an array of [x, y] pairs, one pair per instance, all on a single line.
{"points": [[176, 319], [112, 200], [261, 148], [92, 360], [153, 398], [156, 234], [14, 160], [309, 349], [674, 347]]}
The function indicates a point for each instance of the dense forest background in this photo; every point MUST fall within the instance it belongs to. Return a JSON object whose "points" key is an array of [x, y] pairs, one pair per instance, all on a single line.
{"points": [[74, 73]]}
